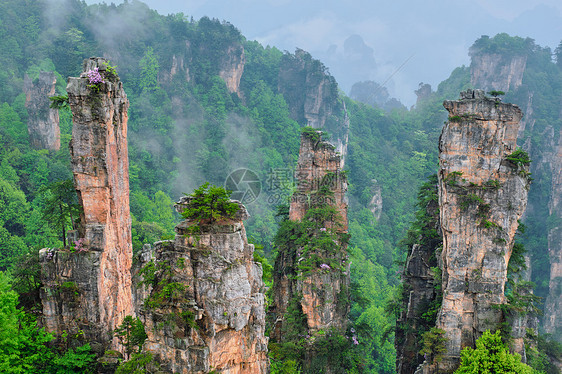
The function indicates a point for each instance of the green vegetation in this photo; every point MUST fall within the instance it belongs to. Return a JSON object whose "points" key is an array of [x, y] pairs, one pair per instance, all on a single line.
{"points": [[519, 157], [491, 356], [59, 102], [496, 93], [61, 207], [131, 334], [312, 133], [502, 44], [187, 128], [210, 204], [452, 179], [165, 291], [140, 363], [23, 346], [434, 345], [541, 351]]}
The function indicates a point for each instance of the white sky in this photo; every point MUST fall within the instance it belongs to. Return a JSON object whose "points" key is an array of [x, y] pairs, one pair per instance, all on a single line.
{"points": [[437, 33]]}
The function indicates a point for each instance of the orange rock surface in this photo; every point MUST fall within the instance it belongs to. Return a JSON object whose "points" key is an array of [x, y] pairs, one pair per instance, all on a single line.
{"points": [[101, 274]]}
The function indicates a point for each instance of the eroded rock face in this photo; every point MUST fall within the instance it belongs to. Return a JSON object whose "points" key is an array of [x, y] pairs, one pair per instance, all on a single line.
{"points": [[318, 166], [553, 304], [319, 105], [304, 276], [43, 122], [376, 203], [232, 68], [101, 174], [215, 317], [481, 197], [492, 71]]}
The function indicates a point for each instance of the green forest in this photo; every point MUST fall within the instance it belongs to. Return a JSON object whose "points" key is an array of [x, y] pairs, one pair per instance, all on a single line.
{"points": [[188, 127]]}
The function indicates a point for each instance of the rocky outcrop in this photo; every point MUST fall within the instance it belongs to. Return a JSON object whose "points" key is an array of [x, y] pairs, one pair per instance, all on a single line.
{"points": [[504, 71], [483, 188], [312, 96], [553, 304], [311, 273], [232, 68], [98, 274], [43, 122], [493, 71], [201, 297], [376, 203], [230, 65]]}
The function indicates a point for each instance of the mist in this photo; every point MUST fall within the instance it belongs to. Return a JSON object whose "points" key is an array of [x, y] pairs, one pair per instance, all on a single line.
{"points": [[404, 43]]}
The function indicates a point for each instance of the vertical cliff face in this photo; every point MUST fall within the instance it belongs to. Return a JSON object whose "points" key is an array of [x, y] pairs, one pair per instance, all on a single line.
{"points": [[312, 96], [99, 272], [201, 297], [553, 304], [493, 71], [43, 122], [230, 65], [483, 187], [232, 68], [318, 167], [538, 135], [311, 274]]}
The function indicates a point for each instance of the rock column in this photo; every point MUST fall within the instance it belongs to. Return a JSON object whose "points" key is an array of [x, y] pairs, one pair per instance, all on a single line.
{"points": [[311, 274], [553, 304], [482, 195], [99, 271]]}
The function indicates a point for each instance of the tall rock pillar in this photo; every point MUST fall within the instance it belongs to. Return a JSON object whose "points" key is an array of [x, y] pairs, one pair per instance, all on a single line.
{"points": [[99, 272], [483, 184], [43, 122], [311, 274], [553, 304]]}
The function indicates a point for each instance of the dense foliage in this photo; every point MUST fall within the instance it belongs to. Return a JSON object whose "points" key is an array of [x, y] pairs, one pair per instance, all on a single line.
{"points": [[187, 126], [491, 356], [209, 204]]}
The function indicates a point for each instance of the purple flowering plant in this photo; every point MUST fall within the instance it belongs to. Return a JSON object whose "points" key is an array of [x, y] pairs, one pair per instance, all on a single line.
{"points": [[325, 267], [95, 79], [79, 245], [50, 254]]}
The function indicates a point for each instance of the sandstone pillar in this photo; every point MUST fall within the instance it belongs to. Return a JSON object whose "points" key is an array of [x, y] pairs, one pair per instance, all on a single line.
{"points": [[311, 274], [99, 272], [482, 194]]}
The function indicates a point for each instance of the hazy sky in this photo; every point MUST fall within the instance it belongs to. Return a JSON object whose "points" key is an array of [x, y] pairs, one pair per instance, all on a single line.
{"points": [[433, 36]]}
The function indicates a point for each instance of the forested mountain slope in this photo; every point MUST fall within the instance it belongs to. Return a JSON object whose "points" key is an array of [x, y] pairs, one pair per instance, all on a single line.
{"points": [[206, 102]]}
